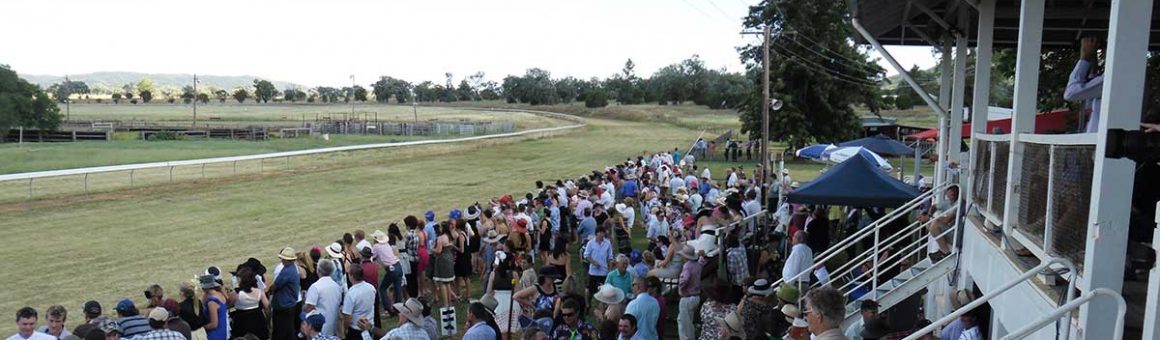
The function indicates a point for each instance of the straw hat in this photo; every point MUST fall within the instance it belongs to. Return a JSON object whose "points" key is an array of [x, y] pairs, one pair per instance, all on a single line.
{"points": [[620, 208], [609, 294], [791, 312], [412, 309], [688, 253], [380, 236], [335, 250], [492, 237], [287, 254], [733, 325]]}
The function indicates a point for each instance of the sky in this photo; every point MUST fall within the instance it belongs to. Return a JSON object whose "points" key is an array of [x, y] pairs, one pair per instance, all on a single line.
{"points": [[323, 43]]}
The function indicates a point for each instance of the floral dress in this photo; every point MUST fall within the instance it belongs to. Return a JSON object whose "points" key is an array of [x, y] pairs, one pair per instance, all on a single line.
{"points": [[710, 312]]}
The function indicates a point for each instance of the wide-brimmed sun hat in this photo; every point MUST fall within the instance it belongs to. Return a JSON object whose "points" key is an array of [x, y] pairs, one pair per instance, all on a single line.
{"points": [[620, 208], [380, 236], [791, 312], [733, 324], [492, 237], [788, 293], [334, 250], [412, 309], [207, 282], [287, 254], [688, 253], [609, 294], [472, 213], [761, 287]]}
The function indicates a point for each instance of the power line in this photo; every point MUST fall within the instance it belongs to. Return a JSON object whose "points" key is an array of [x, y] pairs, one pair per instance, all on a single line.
{"points": [[719, 9], [801, 63], [785, 22], [687, 3], [784, 50], [855, 65]]}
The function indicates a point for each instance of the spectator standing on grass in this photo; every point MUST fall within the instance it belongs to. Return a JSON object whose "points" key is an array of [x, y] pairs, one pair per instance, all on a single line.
{"points": [[619, 276], [689, 288], [324, 298], [214, 310], [189, 309], [93, 316], [26, 319], [285, 293], [312, 328], [416, 248], [249, 308], [55, 317], [130, 320], [385, 255], [645, 308], [358, 304], [410, 322], [598, 252], [158, 318], [175, 323]]}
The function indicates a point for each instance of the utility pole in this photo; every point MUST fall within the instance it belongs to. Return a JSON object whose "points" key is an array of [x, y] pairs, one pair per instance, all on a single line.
{"points": [[195, 101], [352, 85], [415, 105], [765, 103]]}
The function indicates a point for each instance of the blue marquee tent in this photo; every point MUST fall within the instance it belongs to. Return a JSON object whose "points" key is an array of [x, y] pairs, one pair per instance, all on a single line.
{"points": [[882, 145], [855, 182]]}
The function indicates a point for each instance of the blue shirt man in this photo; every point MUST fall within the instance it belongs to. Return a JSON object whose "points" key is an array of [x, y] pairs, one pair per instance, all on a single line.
{"points": [[598, 252], [629, 189], [587, 226], [645, 308], [676, 155], [553, 216], [286, 286]]}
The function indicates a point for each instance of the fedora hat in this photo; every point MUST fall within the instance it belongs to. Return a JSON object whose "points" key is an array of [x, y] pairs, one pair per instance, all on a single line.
{"points": [[487, 300], [492, 237], [609, 294], [412, 309], [380, 236], [335, 250], [761, 287], [620, 207], [287, 254], [733, 324]]}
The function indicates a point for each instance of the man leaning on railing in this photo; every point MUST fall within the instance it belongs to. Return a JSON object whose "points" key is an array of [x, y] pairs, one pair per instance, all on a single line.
{"points": [[945, 212]]}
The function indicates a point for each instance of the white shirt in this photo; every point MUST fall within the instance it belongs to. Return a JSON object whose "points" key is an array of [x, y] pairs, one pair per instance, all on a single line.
{"points": [[800, 259], [1081, 89], [35, 336], [751, 207], [606, 199], [629, 216], [971, 334], [675, 183], [359, 303], [325, 296], [695, 200], [732, 181], [705, 173]]}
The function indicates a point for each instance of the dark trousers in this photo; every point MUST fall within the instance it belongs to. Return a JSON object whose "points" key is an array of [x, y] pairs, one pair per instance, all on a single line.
{"points": [[392, 281], [353, 334], [594, 283], [413, 280], [286, 323]]}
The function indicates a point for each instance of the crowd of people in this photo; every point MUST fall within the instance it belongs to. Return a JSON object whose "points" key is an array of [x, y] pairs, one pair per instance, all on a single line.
{"points": [[557, 262]]}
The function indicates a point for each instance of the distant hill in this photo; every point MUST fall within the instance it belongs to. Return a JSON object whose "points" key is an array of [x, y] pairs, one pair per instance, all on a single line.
{"points": [[114, 80]]}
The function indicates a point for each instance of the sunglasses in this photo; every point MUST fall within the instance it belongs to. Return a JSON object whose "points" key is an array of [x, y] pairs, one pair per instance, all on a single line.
{"points": [[568, 314]]}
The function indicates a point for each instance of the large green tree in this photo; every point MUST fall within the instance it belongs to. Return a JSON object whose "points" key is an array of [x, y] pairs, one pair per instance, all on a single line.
{"points": [[264, 90], [815, 69], [24, 104], [61, 91], [389, 86]]}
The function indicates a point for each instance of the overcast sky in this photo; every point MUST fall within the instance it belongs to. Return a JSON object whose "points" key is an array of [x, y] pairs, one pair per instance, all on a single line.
{"points": [[323, 42]]}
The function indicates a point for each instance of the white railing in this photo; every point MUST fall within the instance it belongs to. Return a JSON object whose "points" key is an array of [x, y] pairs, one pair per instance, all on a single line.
{"points": [[131, 168], [990, 175], [873, 228], [1002, 289], [1068, 308]]}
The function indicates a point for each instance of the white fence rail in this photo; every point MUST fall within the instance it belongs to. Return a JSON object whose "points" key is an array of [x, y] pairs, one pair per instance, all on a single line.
{"points": [[32, 176]]}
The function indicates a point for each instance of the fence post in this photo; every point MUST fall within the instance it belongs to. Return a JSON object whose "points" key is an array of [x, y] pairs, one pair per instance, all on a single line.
{"points": [[261, 165], [30, 189], [131, 177], [86, 184], [171, 174], [287, 162], [235, 167], [203, 170]]}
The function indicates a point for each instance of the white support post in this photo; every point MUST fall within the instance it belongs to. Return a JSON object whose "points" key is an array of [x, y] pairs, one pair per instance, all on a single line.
{"points": [[981, 99], [1152, 306], [944, 100], [1026, 87], [1048, 222], [1112, 179], [955, 125]]}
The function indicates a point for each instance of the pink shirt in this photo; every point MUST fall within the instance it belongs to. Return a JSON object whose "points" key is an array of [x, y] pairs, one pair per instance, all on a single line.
{"points": [[384, 254]]}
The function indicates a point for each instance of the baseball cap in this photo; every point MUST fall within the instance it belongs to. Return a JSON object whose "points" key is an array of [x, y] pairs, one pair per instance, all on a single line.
{"points": [[430, 215], [92, 308], [125, 305], [158, 314], [314, 320]]}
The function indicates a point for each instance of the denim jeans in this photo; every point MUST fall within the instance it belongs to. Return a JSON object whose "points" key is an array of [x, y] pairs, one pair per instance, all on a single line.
{"points": [[394, 278]]}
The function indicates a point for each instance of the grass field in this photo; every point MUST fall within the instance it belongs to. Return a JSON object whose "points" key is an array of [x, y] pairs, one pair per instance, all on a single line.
{"points": [[16, 158]]}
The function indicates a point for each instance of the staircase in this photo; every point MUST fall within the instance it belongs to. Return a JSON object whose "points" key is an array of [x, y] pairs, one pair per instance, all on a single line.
{"points": [[907, 283]]}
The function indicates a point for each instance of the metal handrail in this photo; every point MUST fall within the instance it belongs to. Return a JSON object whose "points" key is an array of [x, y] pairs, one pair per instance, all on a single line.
{"points": [[891, 241], [1068, 308], [1002, 289], [896, 258], [863, 233]]}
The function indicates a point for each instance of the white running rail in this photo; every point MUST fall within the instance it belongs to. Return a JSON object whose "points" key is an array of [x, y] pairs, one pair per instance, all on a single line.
{"points": [[1121, 310], [580, 122]]}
